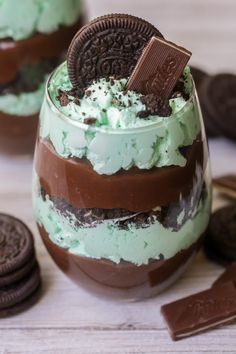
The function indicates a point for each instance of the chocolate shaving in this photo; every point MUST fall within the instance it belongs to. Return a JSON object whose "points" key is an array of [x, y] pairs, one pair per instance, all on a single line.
{"points": [[156, 106], [115, 101], [76, 92], [63, 98], [143, 114], [88, 93], [90, 121], [76, 101]]}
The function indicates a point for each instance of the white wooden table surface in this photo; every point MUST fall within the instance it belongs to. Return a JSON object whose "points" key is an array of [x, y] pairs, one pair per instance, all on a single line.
{"points": [[69, 320]]}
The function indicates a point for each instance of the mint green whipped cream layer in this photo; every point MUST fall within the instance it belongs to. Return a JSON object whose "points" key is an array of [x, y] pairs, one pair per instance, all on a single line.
{"points": [[23, 104], [106, 240], [119, 139], [19, 19]]}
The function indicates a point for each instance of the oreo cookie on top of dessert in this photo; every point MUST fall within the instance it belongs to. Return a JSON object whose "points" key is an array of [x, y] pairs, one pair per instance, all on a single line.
{"points": [[125, 195]]}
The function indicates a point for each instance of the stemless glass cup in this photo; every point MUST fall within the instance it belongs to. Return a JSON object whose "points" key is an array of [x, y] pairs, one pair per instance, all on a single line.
{"points": [[127, 234]]}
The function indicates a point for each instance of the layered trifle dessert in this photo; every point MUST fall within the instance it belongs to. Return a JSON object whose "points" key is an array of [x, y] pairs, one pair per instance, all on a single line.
{"points": [[122, 191], [33, 36]]}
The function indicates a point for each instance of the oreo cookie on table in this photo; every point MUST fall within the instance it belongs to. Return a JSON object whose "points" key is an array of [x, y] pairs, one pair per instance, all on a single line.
{"points": [[15, 293], [200, 77], [18, 274], [108, 46], [23, 305], [218, 98], [16, 244], [211, 129], [220, 242], [19, 270]]}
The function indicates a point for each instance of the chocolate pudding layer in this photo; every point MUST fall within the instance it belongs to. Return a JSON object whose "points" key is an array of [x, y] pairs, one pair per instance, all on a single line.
{"points": [[19, 104], [14, 54], [124, 280], [136, 190]]}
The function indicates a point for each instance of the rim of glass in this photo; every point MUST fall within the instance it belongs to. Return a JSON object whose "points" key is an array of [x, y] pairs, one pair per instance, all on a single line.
{"points": [[104, 129]]}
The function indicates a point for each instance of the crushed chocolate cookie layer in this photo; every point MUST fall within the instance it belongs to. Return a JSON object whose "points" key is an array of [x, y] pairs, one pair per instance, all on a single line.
{"points": [[156, 106], [30, 77], [167, 215]]}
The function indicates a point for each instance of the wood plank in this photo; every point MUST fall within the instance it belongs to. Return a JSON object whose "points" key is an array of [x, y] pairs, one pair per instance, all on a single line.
{"points": [[64, 341]]}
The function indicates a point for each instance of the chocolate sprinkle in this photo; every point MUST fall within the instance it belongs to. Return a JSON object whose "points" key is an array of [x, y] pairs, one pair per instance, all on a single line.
{"points": [[76, 101], [90, 121], [88, 93], [76, 92], [63, 98], [143, 114], [115, 102]]}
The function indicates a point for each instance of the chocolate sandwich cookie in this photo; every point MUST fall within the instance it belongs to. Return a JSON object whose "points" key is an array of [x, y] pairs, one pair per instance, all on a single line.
{"points": [[218, 94], [226, 185], [17, 274], [19, 270], [220, 243], [16, 244], [109, 46], [198, 75], [17, 296], [211, 129], [23, 305], [19, 291]]}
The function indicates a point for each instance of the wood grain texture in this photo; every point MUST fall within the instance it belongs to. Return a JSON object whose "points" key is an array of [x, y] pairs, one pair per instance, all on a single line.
{"points": [[69, 320], [206, 27], [77, 341]]}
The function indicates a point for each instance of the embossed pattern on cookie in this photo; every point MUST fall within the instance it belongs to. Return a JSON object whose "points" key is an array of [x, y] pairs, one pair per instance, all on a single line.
{"points": [[108, 46], [220, 242], [17, 245]]}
